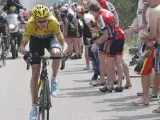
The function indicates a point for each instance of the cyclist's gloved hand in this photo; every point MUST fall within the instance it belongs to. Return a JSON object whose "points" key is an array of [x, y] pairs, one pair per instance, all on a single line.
{"points": [[28, 56]]}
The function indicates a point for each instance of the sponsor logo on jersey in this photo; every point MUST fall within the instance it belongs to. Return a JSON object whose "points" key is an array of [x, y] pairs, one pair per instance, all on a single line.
{"points": [[42, 36]]}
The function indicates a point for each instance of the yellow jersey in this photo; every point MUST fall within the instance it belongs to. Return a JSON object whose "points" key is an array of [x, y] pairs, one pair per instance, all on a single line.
{"points": [[31, 29]]}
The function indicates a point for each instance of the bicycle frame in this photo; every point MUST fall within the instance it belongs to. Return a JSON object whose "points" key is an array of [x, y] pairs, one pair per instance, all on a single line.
{"points": [[43, 74], [44, 101]]}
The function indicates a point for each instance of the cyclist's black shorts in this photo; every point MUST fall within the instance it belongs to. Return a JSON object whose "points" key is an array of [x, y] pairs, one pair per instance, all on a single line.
{"points": [[103, 47], [38, 45], [116, 48], [80, 30], [72, 33]]}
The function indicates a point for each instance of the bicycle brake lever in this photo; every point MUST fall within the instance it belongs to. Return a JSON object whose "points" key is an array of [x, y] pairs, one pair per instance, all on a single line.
{"points": [[28, 65]]}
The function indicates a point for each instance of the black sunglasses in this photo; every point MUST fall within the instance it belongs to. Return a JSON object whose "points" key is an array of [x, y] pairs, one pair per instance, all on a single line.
{"points": [[41, 21]]}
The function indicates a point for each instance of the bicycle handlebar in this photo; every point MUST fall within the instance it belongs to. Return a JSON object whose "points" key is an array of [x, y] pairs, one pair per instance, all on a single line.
{"points": [[42, 58]]}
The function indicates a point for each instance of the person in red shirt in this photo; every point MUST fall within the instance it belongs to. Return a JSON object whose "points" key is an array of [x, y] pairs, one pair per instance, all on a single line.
{"points": [[102, 52], [105, 4], [113, 41]]}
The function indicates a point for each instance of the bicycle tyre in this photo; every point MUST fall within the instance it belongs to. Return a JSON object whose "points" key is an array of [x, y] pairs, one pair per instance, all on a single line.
{"points": [[48, 98], [42, 107], [13, 49], [45, 101]]}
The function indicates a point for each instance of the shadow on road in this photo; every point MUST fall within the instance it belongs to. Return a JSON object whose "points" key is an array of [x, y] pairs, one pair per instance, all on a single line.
{"points": [[85, 94], [74, 71], [82, 81], [135, 76], [77, 88], [71, 64], [70, 73], [122, 99], [138, 117], [9, 58], [121, 104], [124, 107]]}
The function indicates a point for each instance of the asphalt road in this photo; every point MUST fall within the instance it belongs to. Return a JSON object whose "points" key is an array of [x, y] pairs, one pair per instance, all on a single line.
{"points": [[77, 99]]}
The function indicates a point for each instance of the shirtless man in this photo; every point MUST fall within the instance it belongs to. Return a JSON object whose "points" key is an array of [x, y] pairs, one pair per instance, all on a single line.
{"points": [[154, 34]]}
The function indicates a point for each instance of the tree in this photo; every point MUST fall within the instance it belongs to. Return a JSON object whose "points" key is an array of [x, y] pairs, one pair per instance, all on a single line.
{"points": [[126, 10]]}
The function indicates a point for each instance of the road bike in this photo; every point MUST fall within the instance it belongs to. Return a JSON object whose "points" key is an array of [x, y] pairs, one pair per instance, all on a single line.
{"points": [[44, 98]]}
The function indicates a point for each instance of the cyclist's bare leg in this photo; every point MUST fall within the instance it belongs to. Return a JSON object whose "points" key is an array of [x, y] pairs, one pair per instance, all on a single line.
{"points": [[79, 45], [34, 82], [56, 62], [86, 56], [114, 72], [102, 58], [82, 44], [110, 72], [151, 77], [75, 43], [55, 52], [145, 86], [118, 62], [156, 84], [126, 73], [70, 45]]}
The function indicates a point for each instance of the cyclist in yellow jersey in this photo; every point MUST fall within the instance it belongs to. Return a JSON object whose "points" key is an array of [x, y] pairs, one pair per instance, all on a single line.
{"points": [[42, 31]]}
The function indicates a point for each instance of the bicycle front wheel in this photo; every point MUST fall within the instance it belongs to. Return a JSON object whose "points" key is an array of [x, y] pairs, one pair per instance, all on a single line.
{"points": [[48, 98], [45, 102]]}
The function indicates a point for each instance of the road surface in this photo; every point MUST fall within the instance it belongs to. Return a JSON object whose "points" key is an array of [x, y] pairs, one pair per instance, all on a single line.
{"points": [[77, 99]]}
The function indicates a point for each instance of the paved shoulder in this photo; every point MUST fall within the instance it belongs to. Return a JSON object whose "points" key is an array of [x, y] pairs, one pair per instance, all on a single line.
{"points": [[77, 100]]}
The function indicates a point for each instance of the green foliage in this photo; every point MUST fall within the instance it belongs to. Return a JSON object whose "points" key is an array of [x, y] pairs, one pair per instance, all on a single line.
{"points": [[126, 10]]}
